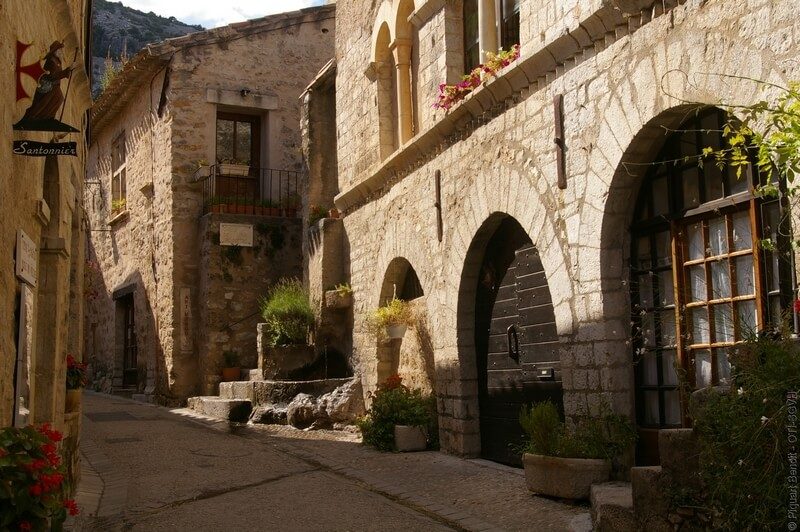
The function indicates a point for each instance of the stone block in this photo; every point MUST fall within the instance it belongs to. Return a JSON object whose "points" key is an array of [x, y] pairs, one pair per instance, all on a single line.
{"points": [[228, 409], [650, 504], [409, 439], [612, 507]]}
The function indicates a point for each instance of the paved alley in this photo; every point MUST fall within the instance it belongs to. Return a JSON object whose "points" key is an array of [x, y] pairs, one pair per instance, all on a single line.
{"points": [[150, 468]]}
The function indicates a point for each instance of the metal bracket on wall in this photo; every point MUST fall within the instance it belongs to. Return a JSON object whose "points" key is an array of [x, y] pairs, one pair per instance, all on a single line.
{"points": [[558, 109], [438, 204]]}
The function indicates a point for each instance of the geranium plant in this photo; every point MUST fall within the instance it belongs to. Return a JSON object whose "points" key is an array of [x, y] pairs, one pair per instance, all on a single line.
{"points": [[449, 95], [32, 489], [76, 374]]}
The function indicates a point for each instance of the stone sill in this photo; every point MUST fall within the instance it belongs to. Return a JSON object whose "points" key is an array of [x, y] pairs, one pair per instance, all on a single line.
{"points": [[534, 69], [119, 217]]}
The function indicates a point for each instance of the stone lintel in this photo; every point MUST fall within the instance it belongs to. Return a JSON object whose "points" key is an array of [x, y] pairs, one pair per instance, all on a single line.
{"points": [[54, 246], [242, 98]]}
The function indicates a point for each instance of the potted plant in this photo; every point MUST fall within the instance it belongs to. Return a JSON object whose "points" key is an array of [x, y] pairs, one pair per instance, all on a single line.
{"points": [[562, 462], [118, 205], [270, 209], [392, 319], [399, 419], [76, 379], [230, 368], [32, 473], [283, 337], [234, 167], [315, 214]]}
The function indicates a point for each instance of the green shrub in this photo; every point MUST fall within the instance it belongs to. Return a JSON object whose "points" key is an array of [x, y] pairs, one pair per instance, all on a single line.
{"points": [[395, 404], [287, 313], [743, 438], [607, 436]]}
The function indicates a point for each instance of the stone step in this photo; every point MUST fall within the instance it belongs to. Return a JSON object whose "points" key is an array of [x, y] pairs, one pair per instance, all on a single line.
{"points": [[679, 454], [612, 507], [650, 502], [221, 408]]}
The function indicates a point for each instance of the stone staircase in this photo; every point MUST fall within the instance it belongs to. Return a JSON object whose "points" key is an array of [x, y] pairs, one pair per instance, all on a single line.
{"points": [[643, 504]]}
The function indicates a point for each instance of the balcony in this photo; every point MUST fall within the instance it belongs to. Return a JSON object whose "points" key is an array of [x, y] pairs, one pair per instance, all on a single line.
{"points": [[236, 189]]}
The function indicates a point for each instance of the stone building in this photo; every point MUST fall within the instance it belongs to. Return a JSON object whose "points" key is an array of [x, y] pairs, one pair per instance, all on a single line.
{"points": [[549, 249], [193, 188], [45, 96]]}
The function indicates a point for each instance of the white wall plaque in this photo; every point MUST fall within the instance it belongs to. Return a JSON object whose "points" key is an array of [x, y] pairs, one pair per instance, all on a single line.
{"points": [[27, 255], [236, 235]]}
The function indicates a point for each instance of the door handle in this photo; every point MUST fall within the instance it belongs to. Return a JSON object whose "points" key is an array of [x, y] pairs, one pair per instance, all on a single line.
{"points": [[513, 353]]}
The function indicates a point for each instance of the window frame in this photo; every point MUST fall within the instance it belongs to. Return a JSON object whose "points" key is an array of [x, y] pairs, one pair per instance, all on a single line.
{"points": [[119, 164], [255, 135]]}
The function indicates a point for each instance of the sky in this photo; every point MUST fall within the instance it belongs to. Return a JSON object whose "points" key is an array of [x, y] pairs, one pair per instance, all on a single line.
{"points": [[213, 13]]}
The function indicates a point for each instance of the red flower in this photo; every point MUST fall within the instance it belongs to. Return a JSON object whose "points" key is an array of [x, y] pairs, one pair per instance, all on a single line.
{"points": [[797, 305], [393, 382], [71, 506], [24, 525], [35, 490]]}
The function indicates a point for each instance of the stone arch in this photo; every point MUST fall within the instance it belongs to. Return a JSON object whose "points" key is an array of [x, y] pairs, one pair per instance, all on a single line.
{"points": [[411, 356], [501, 250], [383, 19]]}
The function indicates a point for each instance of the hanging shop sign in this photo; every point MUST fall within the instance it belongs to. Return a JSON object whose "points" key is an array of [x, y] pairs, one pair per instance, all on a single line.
{"points": [[45, 112]]}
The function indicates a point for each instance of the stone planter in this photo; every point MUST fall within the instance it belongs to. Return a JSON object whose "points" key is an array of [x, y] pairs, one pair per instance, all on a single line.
{"points": [[409, 439], [338, 300], [277, 363], [395, 332], [238, 170], [72, 402], [568, 478]]}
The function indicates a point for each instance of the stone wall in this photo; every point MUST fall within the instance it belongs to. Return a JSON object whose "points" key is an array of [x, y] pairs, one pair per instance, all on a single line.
{"points": [[42, 197], [620, 79], [232, 281]]}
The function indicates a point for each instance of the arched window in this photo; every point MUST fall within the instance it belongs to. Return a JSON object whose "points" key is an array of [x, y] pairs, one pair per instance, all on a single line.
{"points": [[700, 282], [386, 80]]}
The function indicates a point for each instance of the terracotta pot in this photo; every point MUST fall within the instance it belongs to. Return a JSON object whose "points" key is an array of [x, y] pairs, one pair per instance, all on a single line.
{"points": [[241, 209], [568, 478], [396, 331], [290, 212], [258, 210], [217, 209], [249, 209], [409, 439], [333, 213], [73, 401], [231, 374], [273, 211]]}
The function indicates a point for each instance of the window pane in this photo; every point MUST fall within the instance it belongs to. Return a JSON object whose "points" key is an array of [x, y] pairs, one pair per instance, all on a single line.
{"points": [[723, 323], [700, 331], [742, 236], [737, 184], [643, 261], [717, 236], [702, 368], [713, 183], [720, 279], [691, 188], [224, 140], [649, 369], [696, 246], [668, 361], [645, 290], [648, 330], [746, 314], [244, 142], [651, 416], [723, 366], [697, 282], [123, 185], [672, 408], [660, 196], [666, 290], [745, 284], [663, 249], [667, 328]]}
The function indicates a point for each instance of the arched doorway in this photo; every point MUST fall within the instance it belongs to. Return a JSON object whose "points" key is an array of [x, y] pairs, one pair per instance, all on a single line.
{"points": [[700, 282], [515, 335]]}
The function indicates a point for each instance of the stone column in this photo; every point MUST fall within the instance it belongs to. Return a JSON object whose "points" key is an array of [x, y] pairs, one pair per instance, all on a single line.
{"points": [[401, 50], [487, 27]]}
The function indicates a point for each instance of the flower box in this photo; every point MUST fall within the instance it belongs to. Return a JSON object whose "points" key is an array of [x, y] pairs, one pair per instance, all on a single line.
{"points": [[567, 478], [238, 170]]}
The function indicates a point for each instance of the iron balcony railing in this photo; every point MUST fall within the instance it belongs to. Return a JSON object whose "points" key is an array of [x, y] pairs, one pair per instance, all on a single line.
{"points": [[235, 189]]}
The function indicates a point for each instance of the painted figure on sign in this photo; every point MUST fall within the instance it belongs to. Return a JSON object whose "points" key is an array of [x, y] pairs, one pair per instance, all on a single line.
{"points": [[49, 98]]}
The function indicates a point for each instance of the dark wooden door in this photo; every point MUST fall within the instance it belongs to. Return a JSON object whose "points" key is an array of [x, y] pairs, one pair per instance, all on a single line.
{"points": [[129, 360], [516, 341]]}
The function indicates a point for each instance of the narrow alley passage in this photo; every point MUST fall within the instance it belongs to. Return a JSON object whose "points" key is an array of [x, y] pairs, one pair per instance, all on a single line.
{"points": [[150, 468]]}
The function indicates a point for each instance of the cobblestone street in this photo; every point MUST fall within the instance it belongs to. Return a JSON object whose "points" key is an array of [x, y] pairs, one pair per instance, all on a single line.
{"points": [[149, 468]]}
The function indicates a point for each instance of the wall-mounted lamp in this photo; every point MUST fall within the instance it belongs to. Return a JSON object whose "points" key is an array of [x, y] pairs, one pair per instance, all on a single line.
{"points": [[244, 92]]}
